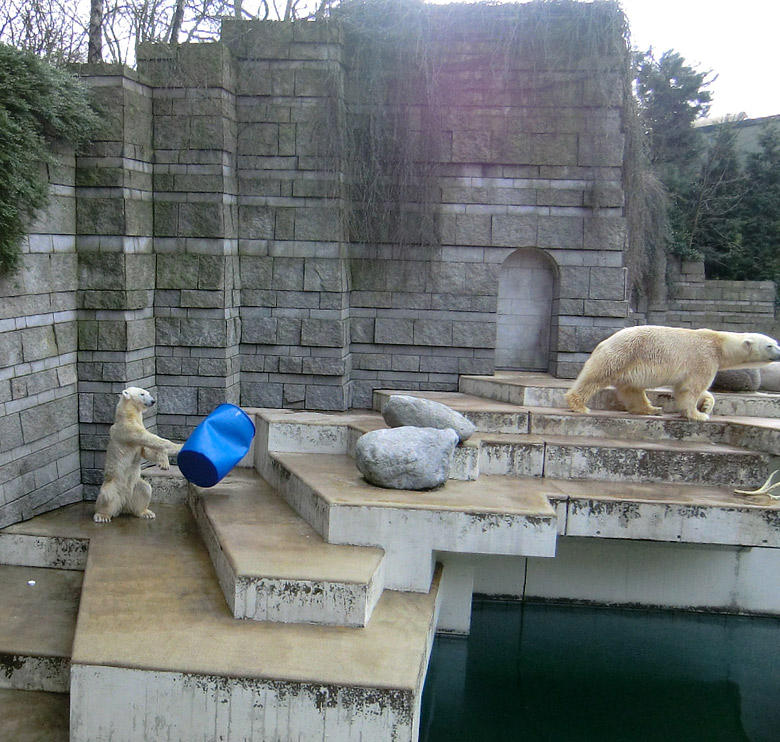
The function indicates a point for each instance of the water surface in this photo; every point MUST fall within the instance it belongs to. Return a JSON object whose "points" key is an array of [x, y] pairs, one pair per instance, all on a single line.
{"points": [[547, 673]]}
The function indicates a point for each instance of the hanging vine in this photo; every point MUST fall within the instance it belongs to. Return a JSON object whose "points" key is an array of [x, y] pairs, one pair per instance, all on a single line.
{"points": [[390, 126]]}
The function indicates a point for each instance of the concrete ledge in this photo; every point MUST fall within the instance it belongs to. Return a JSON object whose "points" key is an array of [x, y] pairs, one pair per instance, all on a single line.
{"points": [[273, 566], [124, 704], [28, 716], [37, 625], [491, 516], [153, 617], [56, 552], [682, 513], [652, 461], [542, 390]]}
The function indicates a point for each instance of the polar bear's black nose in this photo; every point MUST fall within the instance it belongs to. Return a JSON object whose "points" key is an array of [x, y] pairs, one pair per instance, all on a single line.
{"points": [[152, 400]]}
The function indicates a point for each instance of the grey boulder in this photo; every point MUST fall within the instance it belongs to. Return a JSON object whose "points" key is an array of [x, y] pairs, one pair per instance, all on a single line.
{"points": [[770, 377], [402, 409], [407, 458], [737, 380]]}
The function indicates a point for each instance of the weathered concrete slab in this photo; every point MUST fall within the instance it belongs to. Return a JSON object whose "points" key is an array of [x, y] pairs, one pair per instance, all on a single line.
{"points": [[309, 432], [666, 512], [273, 566], [547, 421], [491, 515], [652, 461], [165, 650], [542, 390], [511, 455], [33, 716], [57, 552], [37, 625], [196, 707]]}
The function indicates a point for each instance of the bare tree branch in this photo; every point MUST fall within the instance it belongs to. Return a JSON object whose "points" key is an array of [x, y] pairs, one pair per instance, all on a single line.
{"points": [[95, 50]]}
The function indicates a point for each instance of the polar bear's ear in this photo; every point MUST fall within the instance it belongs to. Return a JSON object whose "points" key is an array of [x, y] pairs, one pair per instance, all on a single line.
{"points": [[126, 393], [748, 342]]}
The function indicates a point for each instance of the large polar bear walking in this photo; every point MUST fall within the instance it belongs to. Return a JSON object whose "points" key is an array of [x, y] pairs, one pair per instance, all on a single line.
{"points": [[638, 358], [123, 490]]}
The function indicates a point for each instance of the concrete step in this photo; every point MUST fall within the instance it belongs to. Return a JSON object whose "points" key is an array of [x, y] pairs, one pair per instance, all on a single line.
{"points": [[273, 566], [611, 459], [562, 444], [33, 716], [487, 415], [757, 434], [158, 655], [37, 625], [491, 516], [542, 390], [295, 431], [684, 513]]}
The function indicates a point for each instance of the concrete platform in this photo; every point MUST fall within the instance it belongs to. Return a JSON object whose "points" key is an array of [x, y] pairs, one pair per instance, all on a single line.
{"points": [[33, 716], [761, 434], [693, 514], [37, 626], [492, 516], [274, 567], [614, 459], [530, 389], [158, 655]]}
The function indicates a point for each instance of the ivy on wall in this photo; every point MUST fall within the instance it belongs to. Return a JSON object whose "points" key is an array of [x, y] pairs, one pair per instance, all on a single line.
{"points": [[39, 104], [388, 128]]}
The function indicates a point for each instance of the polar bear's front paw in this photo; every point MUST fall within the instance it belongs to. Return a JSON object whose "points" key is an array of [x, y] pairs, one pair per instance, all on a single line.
{"points": [[706, 403], [696, 415], [101, 518], [147, 514]]}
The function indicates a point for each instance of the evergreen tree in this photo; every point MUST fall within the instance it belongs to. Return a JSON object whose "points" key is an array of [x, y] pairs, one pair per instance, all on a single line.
{"points": [[39, 103], [709, 210], [758, 256], [672, 95]]}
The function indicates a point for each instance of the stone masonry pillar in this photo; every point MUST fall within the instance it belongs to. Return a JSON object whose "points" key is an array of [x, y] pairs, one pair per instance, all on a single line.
{"points": [[116, 263], [294, 278], [197, 286]]}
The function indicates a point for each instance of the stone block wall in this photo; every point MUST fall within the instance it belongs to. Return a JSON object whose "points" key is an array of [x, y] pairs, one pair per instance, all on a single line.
{"points": [[294, 302], [39, 424], [693, 301], [196, 297], [737, 306]]}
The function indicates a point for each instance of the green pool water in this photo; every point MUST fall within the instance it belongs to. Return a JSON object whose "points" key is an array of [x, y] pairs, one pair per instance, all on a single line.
{"points": [[534, 672]]}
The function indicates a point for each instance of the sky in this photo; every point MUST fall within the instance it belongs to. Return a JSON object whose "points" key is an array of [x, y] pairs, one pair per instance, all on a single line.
{"points": [[736, 40]]}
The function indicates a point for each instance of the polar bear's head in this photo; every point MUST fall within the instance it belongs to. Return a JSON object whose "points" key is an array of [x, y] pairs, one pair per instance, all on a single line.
{"points": [[760, 348], [138, 397]]}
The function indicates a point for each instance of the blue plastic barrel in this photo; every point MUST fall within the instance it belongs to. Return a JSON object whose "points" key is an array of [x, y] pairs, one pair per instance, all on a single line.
{"points": [[216, 445]]}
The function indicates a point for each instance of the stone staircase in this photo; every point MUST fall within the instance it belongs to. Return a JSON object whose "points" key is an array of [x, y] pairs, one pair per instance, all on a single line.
{"points": [[295, 601]]}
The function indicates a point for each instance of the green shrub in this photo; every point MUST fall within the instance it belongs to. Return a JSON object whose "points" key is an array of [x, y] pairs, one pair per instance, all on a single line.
{"points": [[39, 104]]}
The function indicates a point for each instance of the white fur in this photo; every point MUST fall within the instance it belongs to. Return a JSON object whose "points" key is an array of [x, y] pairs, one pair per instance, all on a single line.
{"points": [[638, 358], [123, 489]]}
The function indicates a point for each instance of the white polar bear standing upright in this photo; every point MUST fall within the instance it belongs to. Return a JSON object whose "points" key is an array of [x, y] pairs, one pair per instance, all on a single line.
{"points": [[123, 490], [638, 358]]}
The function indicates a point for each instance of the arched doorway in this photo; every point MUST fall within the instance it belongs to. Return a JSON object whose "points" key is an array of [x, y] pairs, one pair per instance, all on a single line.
{"points": [[527, 289]]}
